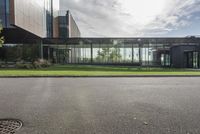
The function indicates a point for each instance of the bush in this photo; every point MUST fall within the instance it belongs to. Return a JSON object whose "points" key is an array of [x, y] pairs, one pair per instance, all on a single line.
{"points": [[24, 65], [41, 63], [1, 37], [36, 65]]}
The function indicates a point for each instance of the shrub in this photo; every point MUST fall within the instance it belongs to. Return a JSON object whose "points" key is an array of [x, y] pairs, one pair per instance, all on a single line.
{"points": [[1, 37], [24, 65], [36, 64], [41, 63]]}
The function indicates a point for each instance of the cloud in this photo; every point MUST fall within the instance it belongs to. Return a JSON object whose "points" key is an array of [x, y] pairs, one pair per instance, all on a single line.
{"points": [[177, 14], [119, 18]]}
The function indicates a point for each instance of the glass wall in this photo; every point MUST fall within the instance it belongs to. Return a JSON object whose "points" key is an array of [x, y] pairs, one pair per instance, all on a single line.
{"points": [[115, 51], [4, 13], [49, 17], [63, 27], [19, 52], [195, 59], [120, 52], [156, 52]]}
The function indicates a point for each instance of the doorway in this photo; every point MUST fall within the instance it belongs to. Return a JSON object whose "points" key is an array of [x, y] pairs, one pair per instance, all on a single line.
{"points": [[191, 59]]}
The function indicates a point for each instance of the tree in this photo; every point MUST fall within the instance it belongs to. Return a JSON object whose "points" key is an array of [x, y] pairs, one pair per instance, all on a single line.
{"points": [[115, 54], [103, 55], [1, 37], [109, 54]]}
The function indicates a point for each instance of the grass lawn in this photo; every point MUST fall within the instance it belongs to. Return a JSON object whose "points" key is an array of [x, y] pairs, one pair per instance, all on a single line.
{"points": [[89, 70]]}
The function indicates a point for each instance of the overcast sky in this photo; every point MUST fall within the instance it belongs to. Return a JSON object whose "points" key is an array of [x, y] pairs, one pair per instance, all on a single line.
{"points": [[133, 18]]}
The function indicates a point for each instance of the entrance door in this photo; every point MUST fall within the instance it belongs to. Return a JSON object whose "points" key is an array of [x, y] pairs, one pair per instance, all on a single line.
{"points": [[195, 59], [191, 59], [165, 59]]}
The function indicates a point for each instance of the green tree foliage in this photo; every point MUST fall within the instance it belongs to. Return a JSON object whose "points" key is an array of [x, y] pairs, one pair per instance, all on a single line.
{"points": [[109, 54], [1, 38]]}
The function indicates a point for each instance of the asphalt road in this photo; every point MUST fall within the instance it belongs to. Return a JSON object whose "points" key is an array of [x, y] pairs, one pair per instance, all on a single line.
{"points": [[102, 105]]}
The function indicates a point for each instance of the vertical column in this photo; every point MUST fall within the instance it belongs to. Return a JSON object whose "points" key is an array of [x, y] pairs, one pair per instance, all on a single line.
{"points": [[198, 50], [71, 56], [132, 54], [198, 59], [91, 50], [170, 55], [48, 52], [75, 54], [140, 53], [165, 55], [148, 55], [41, 50]]}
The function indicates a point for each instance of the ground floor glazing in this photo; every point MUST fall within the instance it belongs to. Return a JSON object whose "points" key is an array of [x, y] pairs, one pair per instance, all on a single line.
{"points": [[180, 53]]}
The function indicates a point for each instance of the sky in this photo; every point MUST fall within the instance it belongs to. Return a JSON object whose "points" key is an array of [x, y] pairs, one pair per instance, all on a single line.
{"points": [[135, 18]]}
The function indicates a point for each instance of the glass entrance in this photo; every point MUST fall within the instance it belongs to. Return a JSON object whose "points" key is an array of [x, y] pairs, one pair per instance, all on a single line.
{"points": [[191, 59], [195, 60], [165, 59]]}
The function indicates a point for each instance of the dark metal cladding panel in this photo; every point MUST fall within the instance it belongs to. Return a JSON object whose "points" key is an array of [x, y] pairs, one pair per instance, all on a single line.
{"points": [[178, 54]]}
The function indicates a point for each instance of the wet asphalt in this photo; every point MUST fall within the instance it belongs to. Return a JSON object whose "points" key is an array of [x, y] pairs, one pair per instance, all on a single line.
{"points": [[102, 105]]}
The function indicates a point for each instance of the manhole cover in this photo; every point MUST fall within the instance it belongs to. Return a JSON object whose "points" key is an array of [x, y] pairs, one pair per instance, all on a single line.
{"points": [[9, 126]]}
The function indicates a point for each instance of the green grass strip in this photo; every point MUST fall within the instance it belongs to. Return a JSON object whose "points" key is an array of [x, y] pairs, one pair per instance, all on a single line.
{"points": [[89, 70]]}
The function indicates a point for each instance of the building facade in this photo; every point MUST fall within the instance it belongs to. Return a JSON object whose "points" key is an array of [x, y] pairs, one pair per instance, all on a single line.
{"points": [[37, 17], [35, 29], [152, 52], [67, 26], [26, 23]]}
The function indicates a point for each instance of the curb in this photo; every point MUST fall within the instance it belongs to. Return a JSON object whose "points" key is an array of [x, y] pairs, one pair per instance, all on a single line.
{"points": [[116, 76]]}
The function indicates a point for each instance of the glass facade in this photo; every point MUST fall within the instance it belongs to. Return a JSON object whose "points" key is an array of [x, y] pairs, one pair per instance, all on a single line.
{"points": [[192, 59], [195, 59], [67, 26], [135, 52], [19, 52], [104, 51], [51, 13], [62, 42], [63, 27], [120, 52], [49, 17], [4, 13]]}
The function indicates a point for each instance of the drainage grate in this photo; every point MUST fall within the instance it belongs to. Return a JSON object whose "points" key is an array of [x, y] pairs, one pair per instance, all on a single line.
{"points": [[9, 126]]}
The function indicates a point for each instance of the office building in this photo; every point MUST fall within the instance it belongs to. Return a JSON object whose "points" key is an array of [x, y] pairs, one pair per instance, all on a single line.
{"points": [[35, 29]]}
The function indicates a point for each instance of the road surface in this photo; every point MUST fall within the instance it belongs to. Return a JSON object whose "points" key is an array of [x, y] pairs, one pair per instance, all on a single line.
{"points": [[102, 105]]}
